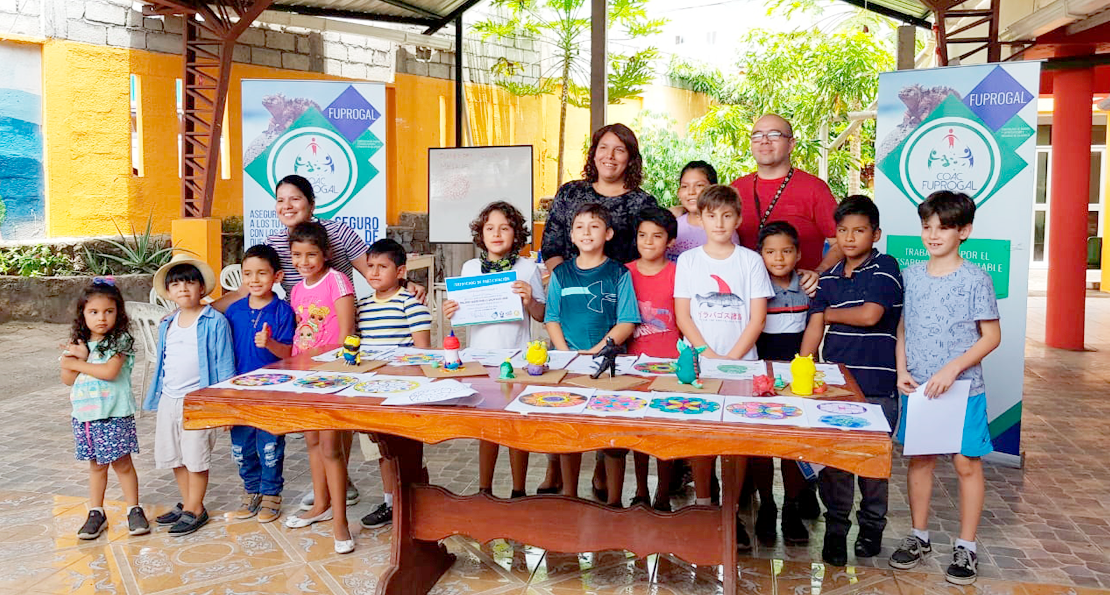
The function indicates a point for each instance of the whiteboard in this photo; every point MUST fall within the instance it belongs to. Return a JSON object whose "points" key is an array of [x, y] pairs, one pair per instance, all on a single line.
{"points": [[462, 181]]}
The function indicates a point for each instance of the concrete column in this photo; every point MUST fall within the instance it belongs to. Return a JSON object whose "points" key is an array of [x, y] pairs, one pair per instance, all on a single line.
{"points": [[905, 50], [200, 237], [1067, 240]]}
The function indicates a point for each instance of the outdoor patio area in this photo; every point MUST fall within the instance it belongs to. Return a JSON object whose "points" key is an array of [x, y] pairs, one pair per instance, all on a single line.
{"points": [[1045, 529]]}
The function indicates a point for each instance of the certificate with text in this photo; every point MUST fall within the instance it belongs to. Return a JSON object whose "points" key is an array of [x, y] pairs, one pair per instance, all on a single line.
{"points": [[485, 299]]}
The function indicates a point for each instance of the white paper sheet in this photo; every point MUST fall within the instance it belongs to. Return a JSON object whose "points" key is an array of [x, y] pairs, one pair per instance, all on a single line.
{"points": [[328, 356], [842, 415], [323, 383], [935, 426], [411, 356], [679, 406], [555, 400], [261, 379], [557, 360], [730, 369], [782, 370], [770, 411], [368, 352], [585, 364], [385, 386], [833, 374], [630, 404], [653, 366], [443, 390], [487, 357]]}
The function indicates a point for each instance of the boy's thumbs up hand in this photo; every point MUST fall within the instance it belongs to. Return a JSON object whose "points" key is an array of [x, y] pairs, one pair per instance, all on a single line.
{"points": [[262, 336]]}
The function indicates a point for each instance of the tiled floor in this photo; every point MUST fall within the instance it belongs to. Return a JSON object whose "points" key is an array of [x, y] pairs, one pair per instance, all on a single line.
{"points": [[1046, 528]]}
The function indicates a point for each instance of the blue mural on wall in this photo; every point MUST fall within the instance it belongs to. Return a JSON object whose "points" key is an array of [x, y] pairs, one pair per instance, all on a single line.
{"points": [[21, 171]]}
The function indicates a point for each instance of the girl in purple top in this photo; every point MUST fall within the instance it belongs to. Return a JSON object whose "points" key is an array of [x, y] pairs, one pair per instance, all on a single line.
{"points": [[695, 177]]}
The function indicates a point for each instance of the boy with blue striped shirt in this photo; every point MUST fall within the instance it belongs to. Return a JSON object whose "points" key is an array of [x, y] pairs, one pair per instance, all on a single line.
{"points": [[860, 299], [392, 317]]}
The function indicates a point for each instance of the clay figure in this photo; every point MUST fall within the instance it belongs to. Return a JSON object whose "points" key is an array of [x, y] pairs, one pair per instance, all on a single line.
{"points": [[608, 355], [688, 367], [803, 371], [507, 370], [763, 386], [536, 356], [451, 359], [351, 354], [779, 383]]}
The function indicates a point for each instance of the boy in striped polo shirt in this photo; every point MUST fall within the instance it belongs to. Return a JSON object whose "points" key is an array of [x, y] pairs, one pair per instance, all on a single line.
{"points": [[391, 317], [860, 299]]}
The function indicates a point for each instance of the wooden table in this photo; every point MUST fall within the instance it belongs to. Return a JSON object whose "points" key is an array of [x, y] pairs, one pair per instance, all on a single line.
{"points": [[425, 514]]}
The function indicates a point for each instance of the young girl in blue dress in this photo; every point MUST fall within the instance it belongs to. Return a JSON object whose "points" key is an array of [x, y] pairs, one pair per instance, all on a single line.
{"points": [[97, 365]]}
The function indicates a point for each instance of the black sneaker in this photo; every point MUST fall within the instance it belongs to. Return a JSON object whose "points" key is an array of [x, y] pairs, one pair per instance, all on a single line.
{"points": [[794, 531], [808, 506], [909, 552], [868, 544], [662, 504], [136, 521], [189, 523], [962, 570], [743, 542], [835, 550], [170, 517], [765, 522], [95, 524], [382, 515]]}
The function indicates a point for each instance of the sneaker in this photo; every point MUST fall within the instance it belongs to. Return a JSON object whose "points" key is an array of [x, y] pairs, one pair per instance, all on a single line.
{"points": [[743, 542], [382, 515], [170, 517], [808, 506], [95, 524], [909, 552], [248, 506], [794, 531], [269, 509], [309, 500], [352, 494], [136, 521], [835, 550], [189, 523], [868, 544], [962, 570], [765, 522]]}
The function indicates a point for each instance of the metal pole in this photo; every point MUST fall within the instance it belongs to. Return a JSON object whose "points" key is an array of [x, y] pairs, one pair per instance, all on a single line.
{"points": [[599, 87], [459, 104]]}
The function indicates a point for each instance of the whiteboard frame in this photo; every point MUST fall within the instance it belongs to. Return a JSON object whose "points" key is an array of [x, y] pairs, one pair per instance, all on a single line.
{"points": [[451, 239]]}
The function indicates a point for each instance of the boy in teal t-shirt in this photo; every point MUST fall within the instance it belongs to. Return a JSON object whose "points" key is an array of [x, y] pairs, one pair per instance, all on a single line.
{"points": [[589, 299]]}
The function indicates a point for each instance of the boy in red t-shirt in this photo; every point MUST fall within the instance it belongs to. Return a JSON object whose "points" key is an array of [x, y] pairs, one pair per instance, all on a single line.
{"points": [[657, 336]]}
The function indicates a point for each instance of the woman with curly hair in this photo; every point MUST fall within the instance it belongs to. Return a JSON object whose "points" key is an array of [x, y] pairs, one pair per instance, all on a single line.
{"points": [[612, 177], [500, 232]]}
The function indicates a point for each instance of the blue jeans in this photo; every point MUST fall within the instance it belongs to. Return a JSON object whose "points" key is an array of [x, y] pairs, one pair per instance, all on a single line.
{"points": [[261, 457]]}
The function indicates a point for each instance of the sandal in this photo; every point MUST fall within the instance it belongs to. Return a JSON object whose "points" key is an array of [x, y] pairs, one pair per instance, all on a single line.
{"points": [[269, 509]]}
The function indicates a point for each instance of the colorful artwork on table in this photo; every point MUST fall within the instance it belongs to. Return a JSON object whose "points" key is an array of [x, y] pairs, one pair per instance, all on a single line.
{"points": [[778, 411], [846, 416], [541, 399], [847, 408], [385, 386], [410, 356], [653, 366], [685, 407], [444, 391], [262, 379], [729, 369], [848, 422], [618, 404], [326, 382]]}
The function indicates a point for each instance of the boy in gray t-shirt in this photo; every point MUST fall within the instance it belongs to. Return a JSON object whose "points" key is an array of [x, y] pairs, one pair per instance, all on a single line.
{"points": [[949, 324]]}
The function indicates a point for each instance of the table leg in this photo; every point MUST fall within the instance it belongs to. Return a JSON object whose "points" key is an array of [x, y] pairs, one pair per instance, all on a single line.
{"points": [[415, 565], [730, 496]]}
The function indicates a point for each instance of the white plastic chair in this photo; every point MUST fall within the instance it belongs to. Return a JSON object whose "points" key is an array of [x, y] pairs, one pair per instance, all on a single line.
{"points": [[158, 300], [144, 323], [231, 277]]}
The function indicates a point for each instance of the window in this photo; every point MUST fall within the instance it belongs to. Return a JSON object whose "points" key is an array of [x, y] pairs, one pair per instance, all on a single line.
{"points": [[136, 134]]}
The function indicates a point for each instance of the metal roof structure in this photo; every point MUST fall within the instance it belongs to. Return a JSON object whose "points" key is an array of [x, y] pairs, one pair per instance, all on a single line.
{"points": [[432, 14], [909, 12]]}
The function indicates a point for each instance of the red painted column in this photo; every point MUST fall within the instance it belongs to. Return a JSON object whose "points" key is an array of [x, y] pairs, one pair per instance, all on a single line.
{"points": [[1067, 242]]}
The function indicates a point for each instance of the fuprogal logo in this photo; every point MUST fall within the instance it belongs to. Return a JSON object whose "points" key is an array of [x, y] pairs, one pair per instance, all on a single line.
{"points": [[956, 154], [323, 157]]}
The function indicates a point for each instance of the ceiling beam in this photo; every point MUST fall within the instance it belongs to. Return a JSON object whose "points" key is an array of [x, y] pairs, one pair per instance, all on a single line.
{"points": [[451, 16], [908, 19], [352, 14]]}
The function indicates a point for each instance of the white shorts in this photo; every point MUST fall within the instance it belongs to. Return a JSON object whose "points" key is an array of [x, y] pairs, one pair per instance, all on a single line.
{"points": [[174, 446]]}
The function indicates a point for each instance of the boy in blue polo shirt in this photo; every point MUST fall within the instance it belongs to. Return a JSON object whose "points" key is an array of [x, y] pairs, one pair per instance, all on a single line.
{"points": [[262, 329], [860, 299]]}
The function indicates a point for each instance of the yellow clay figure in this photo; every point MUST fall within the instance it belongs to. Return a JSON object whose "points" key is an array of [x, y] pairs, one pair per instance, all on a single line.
{"points": [[351, 350], [803, 370], [536, 356]]}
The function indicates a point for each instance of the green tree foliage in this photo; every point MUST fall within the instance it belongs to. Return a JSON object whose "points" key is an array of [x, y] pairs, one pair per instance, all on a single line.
{"points": [[563, 27]]}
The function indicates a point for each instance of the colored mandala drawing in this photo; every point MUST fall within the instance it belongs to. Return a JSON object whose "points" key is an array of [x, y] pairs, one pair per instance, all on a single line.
{"points": [[416, 359], [387, 386], [752, 410], [844, 421], [324, 381], [656, 367], [842, 408], [687, 405], [733, 369], [261, 379], [553, 399], [616, 403]]}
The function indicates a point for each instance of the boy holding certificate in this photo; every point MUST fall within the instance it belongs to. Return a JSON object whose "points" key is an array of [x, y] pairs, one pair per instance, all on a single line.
{"points": [[500, 232], [950, 323]]}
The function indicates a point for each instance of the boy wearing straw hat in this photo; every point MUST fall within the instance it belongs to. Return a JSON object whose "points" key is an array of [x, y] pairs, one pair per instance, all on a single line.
{"points": [[194, 351]]}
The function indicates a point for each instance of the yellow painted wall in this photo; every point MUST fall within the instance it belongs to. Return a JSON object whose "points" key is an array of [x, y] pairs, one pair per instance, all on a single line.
{"points": [[89, 181]]}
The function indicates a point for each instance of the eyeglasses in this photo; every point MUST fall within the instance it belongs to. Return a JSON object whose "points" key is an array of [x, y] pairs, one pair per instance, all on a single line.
{"points": [[772, 136]]}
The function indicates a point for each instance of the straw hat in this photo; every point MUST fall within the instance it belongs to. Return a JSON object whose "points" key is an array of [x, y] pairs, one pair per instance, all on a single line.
{"points": [[181, 258]]}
